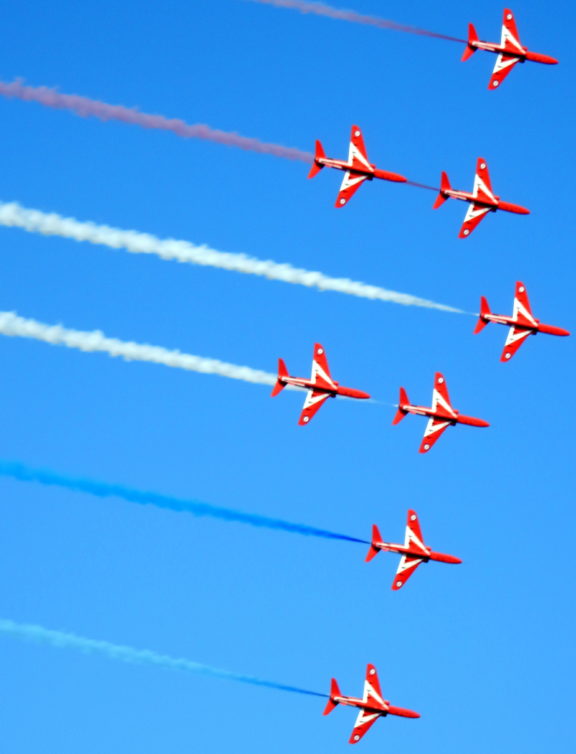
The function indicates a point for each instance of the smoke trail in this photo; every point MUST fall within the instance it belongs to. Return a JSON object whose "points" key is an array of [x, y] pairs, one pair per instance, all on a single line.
{"points": [[14, 326], [50, 224], [90, 108], [322, 9], [120, 652], [168, 502], [422, 186]]}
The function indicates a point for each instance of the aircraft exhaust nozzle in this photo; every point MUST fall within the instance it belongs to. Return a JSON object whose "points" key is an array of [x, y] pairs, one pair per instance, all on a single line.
{"points": [[318, 155], [373, 551], [470, 48], [402, 401], [334, 692], [280, 384], [401, 712], [444, 187], [484, 310]]}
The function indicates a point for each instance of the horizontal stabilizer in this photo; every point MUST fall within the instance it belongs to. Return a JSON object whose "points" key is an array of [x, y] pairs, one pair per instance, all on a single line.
{"points": [[472, 37], [280, 384], [317, 166], [484, 310], [376, 537], [334, 692], [444, 186], [402, 401]]}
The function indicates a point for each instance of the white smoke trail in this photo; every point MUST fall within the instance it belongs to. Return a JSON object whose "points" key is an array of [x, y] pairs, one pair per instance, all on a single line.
{"points": [[123, 653], [14, 215], [14, 326]]}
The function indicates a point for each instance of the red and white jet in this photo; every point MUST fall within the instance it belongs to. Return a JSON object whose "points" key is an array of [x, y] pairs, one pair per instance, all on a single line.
{"points": [[482, 199], [320, 386], [413, 551], [522, 323], [441, 414], [357, 169], [510, 51], [372, 705]]}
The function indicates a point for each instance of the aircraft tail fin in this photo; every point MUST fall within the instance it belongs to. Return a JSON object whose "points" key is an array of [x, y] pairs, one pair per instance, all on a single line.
{"points": [[282, 372], [318, 154], [472, 37], [484, 309], [402, 400], [334, 692], [376, 537], [444, 187]]}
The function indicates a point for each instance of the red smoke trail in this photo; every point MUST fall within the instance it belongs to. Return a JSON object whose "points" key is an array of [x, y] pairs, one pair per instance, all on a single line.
{"points": [[322, 9], [87, 108], [422, 186]]}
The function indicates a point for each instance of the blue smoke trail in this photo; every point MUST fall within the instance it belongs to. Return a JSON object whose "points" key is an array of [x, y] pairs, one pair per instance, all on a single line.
{"points": [[101, 489], [137, 656]]}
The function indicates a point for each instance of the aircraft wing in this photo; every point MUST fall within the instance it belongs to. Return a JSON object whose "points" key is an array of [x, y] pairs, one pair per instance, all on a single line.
{"points": [[357, 155], [434, 429], [364, 722], [522, 309], [320, 370], [482, 184], [372, 696], [510, 39], [350, 185], [413, 537], [314, 400], [408, 564], [440, 398], [476, 213], [504, 64], [516, 336]]}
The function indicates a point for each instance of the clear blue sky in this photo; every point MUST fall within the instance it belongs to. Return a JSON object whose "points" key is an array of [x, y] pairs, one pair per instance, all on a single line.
{"points": [[484, 650]]}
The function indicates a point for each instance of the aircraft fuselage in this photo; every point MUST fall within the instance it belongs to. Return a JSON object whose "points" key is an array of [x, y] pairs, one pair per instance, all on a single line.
{"points": [[534, 57], [415, 553], [456, 418], [338, 389], [501, 319], [465, 196], [369, 173]]}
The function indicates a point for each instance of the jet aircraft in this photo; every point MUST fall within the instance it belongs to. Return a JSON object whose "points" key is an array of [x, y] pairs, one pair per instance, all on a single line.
{"points": [[320, 386], [372, 705], [522, 323], [482, 199], [510, 51], [413, 551], [441, 414], [356, 170]]}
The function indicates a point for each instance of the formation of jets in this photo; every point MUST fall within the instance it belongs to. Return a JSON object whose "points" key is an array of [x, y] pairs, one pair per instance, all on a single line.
{"points": [[358, 169], [482, 200], [441, 414]]}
